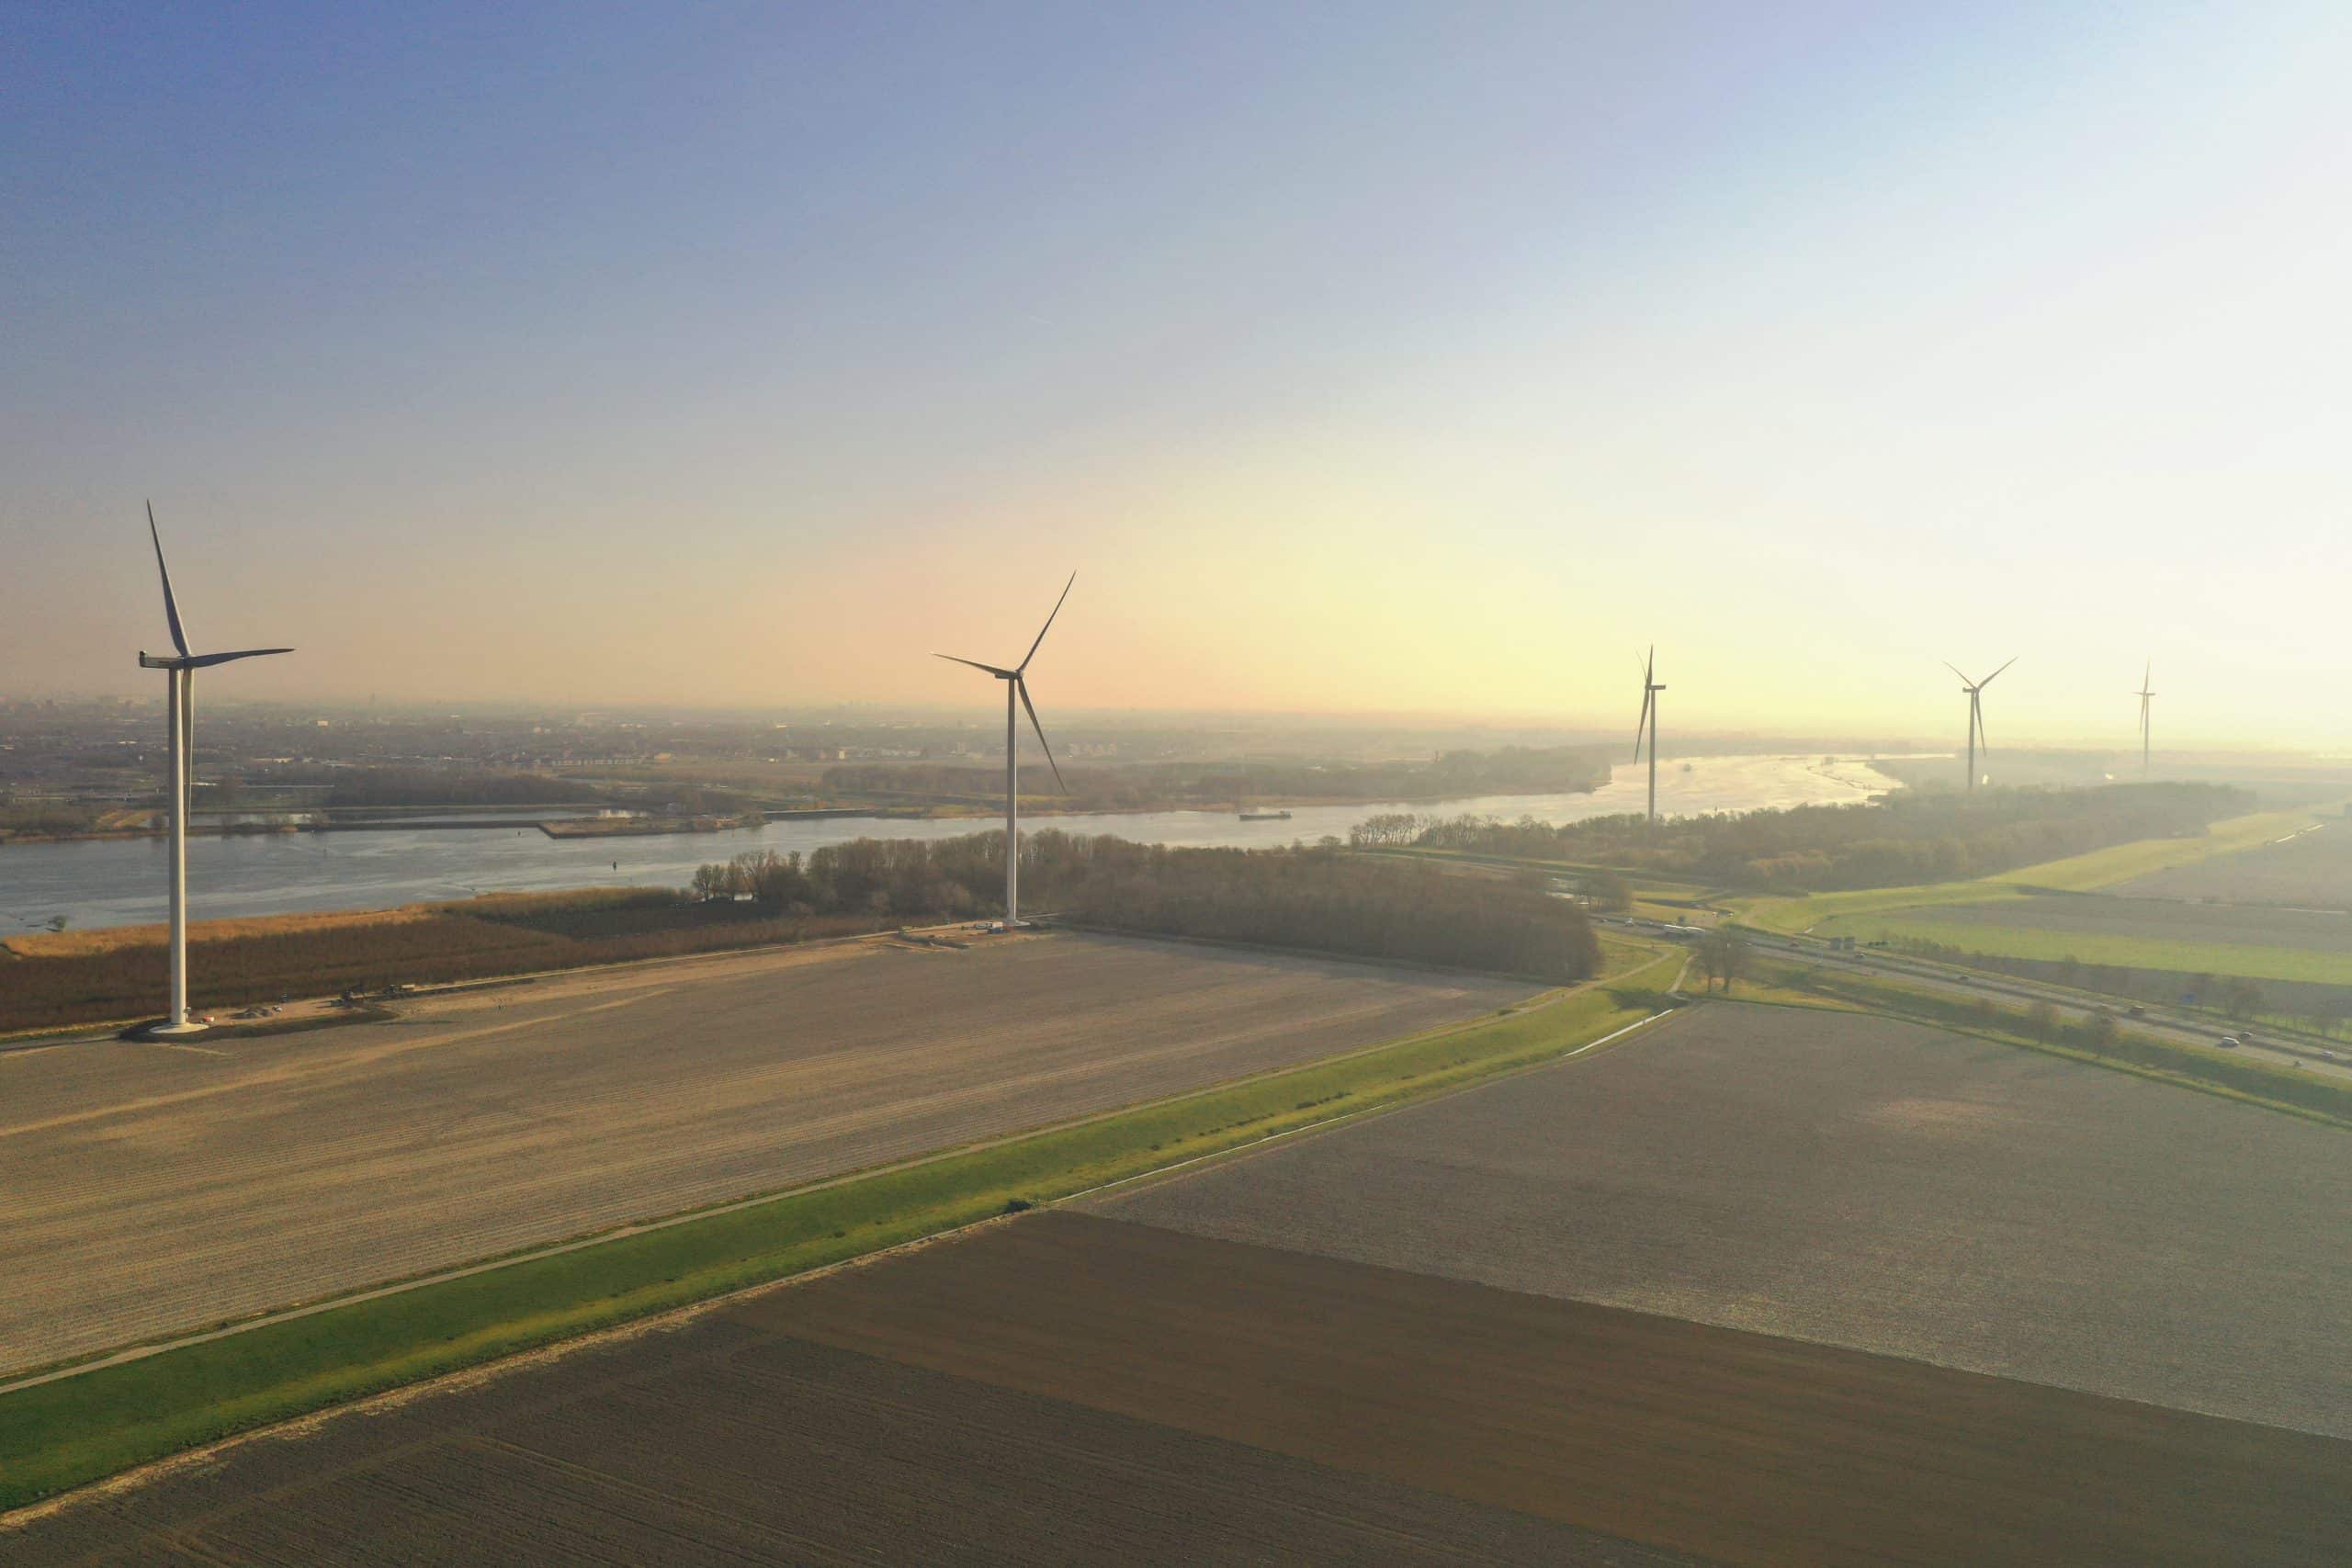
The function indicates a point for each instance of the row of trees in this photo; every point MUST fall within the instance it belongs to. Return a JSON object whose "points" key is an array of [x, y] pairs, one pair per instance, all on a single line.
{"points": [[1903, 840], [1526, 839], [1301, 898]]}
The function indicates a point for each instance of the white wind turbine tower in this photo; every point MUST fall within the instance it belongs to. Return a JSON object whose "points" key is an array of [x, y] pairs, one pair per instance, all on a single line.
{"points": [[180, 670], [1975, 690], [1651, 687], [1015, 685], [2145, 696]]}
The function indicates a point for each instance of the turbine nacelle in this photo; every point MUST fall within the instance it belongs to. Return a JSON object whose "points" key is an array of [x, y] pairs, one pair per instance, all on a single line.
{"points": [[185, 659], [1020, 684]]}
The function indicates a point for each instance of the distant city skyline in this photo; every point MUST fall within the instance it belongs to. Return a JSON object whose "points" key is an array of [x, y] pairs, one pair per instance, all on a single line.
{"points": [[1409, 360]]}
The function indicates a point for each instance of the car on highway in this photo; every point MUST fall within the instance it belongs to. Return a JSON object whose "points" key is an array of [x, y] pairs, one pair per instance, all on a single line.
{"points": [[2227, 1042]]}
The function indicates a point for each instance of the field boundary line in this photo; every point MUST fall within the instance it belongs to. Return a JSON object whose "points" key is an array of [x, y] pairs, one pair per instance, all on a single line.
{"points": [[69, 1442], [125, 1355], [1370, 1113]]}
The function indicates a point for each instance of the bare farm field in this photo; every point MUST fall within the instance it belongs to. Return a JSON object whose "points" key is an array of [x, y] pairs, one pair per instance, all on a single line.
{"points": [[1857, 1181], [725, 1439], [2308, 870], [151, 1189], [1062, 1388]]}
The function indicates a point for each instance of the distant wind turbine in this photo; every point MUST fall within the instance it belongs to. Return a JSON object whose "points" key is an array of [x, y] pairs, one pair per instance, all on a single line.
{"points": [[180, 715], [1016, 685], [1975, 690], [2145, 694], [1648, 722]]}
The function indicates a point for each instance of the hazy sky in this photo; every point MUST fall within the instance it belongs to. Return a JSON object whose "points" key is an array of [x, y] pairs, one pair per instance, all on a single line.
{"points": [[1357, 356]]}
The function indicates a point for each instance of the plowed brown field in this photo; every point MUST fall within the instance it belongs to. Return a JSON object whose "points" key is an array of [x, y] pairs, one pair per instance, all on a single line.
{"points": [[147, 1189], [1741, 1448], [725, 1442], [1063, 1388], [1863, 1182]]}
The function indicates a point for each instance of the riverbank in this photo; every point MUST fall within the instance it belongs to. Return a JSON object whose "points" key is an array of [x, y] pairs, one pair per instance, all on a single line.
{"points": [[120, 883]]}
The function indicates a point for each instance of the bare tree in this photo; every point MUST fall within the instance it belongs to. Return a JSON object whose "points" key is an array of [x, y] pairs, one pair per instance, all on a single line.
{"points": [[1723, 955]]}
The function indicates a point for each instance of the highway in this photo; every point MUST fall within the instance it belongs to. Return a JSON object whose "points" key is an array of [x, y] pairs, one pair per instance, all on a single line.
{"points": [[2156, 1021]]}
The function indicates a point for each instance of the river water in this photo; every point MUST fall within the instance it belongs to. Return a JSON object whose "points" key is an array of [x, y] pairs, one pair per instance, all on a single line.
{"points": [[122, 881]]}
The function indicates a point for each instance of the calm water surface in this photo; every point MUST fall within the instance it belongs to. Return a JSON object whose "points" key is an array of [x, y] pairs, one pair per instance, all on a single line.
{"points": [[121, 882]]}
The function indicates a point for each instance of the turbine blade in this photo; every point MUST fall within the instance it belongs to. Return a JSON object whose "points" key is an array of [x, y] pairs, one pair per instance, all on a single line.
{"points": [[1957, 670], [1047, 627], [1643, 723], [1988, 680], [1023, 687], [171, 605], [205, 660], [999, 674]]}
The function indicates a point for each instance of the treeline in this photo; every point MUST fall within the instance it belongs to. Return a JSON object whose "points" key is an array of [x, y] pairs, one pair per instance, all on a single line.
{"points": [[42, 818], [1526, 839], [1299, 897], [1904, 839], [913, 878], [1516, 770]]}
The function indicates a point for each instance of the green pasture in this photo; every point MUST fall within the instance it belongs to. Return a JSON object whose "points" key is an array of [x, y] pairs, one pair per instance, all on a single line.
{"points": [[2253, 961], [2077, 874]]}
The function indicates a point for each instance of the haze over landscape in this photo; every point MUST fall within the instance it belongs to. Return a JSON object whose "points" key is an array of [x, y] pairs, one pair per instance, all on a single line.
{"points": [[1415, 360], [1406, 782]]}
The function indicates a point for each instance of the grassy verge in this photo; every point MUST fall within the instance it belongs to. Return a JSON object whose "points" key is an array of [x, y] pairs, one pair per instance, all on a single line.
{"points": [[2248, 1080], [1622, 955], [2077, 874], [64, 1434], [2117, 948]]}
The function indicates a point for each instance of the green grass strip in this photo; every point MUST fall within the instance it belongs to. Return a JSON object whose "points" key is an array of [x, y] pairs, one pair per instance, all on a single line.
{"points": [[2076, 873], [79, 1429], [2120, 949]]}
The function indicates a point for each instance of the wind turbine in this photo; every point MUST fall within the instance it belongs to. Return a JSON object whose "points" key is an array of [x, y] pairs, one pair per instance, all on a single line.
{"points": [[1017, 686], [180, 714], [1648, 722], [2145, 694], [1975, 690]]}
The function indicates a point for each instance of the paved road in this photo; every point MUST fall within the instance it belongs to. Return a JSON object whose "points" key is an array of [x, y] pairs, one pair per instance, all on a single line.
{"points": [[2159, 1021]]}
